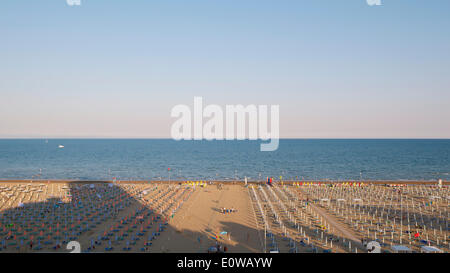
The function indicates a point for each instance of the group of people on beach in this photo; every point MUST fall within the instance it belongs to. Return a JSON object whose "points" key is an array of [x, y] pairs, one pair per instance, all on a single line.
{"points": [[218, 248], [225, 210]]}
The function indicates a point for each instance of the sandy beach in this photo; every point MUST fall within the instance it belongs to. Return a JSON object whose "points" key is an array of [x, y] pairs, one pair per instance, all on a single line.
{"points": [[201, 217]]}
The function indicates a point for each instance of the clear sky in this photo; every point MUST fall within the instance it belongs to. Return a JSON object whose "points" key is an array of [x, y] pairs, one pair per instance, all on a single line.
{"points": [[337, 68]]}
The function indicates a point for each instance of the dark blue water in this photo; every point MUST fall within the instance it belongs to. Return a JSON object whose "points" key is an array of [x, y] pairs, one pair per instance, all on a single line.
{"points": [[99, 159]]}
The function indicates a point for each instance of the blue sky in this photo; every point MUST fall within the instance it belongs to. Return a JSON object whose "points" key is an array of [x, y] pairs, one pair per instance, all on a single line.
{"points": [[337, 68]]}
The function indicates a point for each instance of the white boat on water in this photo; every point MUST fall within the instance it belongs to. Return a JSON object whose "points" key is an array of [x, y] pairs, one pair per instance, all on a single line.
{"points": [[60, 146]]}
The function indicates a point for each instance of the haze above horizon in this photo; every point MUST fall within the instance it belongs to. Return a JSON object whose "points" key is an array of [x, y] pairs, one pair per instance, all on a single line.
{"points": [[114, 69]]}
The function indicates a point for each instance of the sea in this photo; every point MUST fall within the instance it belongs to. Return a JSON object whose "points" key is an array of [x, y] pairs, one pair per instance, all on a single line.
{"points": [[167, 159]]}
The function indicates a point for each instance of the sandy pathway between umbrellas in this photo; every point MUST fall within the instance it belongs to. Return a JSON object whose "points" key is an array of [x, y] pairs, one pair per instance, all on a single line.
{"points": [[195, 226], [336, 224]]}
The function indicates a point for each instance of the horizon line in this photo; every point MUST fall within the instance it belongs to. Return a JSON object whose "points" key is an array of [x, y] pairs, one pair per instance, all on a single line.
{"points": [[281, 138]]}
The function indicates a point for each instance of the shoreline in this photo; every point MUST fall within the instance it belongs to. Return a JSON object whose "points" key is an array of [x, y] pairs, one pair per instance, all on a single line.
{"points": [[229, 182]]}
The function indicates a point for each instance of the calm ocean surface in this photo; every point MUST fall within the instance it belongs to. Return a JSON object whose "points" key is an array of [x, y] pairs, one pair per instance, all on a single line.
{"points": [[99, 159]]}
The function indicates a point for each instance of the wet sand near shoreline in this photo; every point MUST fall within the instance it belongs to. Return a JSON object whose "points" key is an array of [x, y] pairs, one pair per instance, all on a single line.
{"points": [[230, 182]]}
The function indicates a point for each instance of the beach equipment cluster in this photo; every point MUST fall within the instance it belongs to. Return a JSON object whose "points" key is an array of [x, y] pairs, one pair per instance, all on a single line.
{"points": [[410, 216], [334, 184], [351, 217], [200, 183], [103, 216]]}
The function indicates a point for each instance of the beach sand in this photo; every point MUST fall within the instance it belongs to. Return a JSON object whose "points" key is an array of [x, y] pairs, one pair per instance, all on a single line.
{"points": [[182, 217]]}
